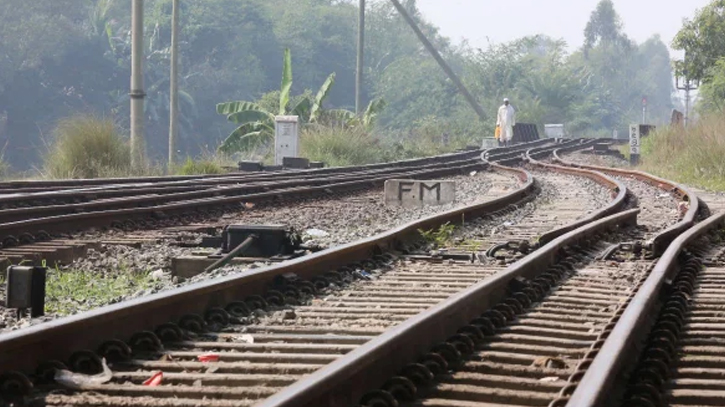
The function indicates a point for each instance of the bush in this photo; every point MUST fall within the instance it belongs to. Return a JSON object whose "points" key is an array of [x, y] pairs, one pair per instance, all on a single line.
{"points": [[433, 136], [87, 147], [693, 155], [201, 167], [338, 146]]}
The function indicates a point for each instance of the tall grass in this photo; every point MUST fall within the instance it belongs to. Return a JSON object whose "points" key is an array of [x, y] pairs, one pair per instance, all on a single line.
{"points": [[695, 155], [200, 167], [432, 136], [338, 146], [87, 147]]}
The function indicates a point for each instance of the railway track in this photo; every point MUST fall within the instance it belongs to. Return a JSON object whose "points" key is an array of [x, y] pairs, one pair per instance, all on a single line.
{"points": [[298, 338], [21, 226], [28, 187], [353, 251], [695, 354], [671, 331], [529, 349], [387, 304]]}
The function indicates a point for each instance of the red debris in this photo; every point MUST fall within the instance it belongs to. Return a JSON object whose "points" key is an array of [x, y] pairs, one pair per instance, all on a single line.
{"points": [[154, 380], [209, 357]]}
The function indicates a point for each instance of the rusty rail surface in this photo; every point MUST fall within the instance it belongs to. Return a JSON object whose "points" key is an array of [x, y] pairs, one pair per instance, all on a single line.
{"points": [[625, 340], [344, 381], [663, 239]]}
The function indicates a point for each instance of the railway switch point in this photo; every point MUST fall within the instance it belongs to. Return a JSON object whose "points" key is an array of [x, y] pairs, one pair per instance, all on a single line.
{"points": [[273, 240]]}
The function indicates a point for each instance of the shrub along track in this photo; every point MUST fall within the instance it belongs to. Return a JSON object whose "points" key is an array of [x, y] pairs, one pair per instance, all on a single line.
{"points": [[118, 321]]}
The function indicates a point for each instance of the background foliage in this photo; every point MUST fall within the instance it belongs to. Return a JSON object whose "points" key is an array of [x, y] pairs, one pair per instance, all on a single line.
{"points": [[61, 57]]}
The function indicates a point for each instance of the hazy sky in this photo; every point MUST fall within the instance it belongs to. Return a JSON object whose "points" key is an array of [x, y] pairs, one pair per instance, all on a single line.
{"points": [[502, 21]]}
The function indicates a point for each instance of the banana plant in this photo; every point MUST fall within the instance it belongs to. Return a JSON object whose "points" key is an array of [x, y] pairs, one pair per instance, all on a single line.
{"points": [[346, 118], [256, 124]]}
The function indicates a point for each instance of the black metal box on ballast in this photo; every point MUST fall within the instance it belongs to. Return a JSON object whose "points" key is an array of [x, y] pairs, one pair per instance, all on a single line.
{"points": [[272, 240]]}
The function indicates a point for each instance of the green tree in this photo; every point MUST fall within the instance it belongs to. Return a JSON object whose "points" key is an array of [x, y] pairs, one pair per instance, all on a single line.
{"points": [[605, 28], [712, 92], [702, 39]]}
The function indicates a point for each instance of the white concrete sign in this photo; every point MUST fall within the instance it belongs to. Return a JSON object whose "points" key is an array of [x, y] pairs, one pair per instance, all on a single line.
{"points": [[414, 193], [286, 140], [634, 139], [554, 131]]}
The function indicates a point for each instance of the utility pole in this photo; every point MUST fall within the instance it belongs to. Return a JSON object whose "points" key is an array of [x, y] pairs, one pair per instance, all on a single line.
{"points": [[174, 82], [688, 85], [138, 145], [360, 57], [644, 110], [452, 75]]}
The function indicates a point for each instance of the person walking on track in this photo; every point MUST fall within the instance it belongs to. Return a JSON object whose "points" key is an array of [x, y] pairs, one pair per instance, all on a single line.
{"points": [[506, 121]]}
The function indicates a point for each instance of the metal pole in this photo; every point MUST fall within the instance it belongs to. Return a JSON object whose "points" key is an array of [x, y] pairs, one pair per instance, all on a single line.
{"points": [[687, 104], [138, 148], [644, 114], [360, 57], [452, 75], [174, 81]]}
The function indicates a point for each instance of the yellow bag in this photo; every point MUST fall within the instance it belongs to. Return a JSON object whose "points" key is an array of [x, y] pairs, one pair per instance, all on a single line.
{"points": [[497, 134]]}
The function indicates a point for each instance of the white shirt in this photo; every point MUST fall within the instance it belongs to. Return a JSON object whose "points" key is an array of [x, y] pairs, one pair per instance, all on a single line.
{"points": [[506, 116]]}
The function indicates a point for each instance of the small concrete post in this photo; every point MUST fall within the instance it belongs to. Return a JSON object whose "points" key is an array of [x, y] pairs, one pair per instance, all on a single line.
{"points": [[634, 144], [286, 140]]}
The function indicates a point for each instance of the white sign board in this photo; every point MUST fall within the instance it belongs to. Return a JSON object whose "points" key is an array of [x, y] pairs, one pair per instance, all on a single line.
{"points": [[286, 139], [634, 139], [554, 130]]}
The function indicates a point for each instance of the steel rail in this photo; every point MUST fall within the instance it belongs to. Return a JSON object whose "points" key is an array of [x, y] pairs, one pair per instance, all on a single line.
{"points": [[624, 342], [615, 206], [108, 191], [661, 241], [49, 185], [138, 315], [142, 208], [22, 350], [45, 185], [367, 367], [339, 383], [136, 198], [101, 218]]}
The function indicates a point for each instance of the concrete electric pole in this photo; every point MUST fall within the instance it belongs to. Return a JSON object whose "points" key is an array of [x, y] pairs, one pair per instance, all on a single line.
{"points": [[138, 144], [688, 85], [360, 58], [174, 83]]}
